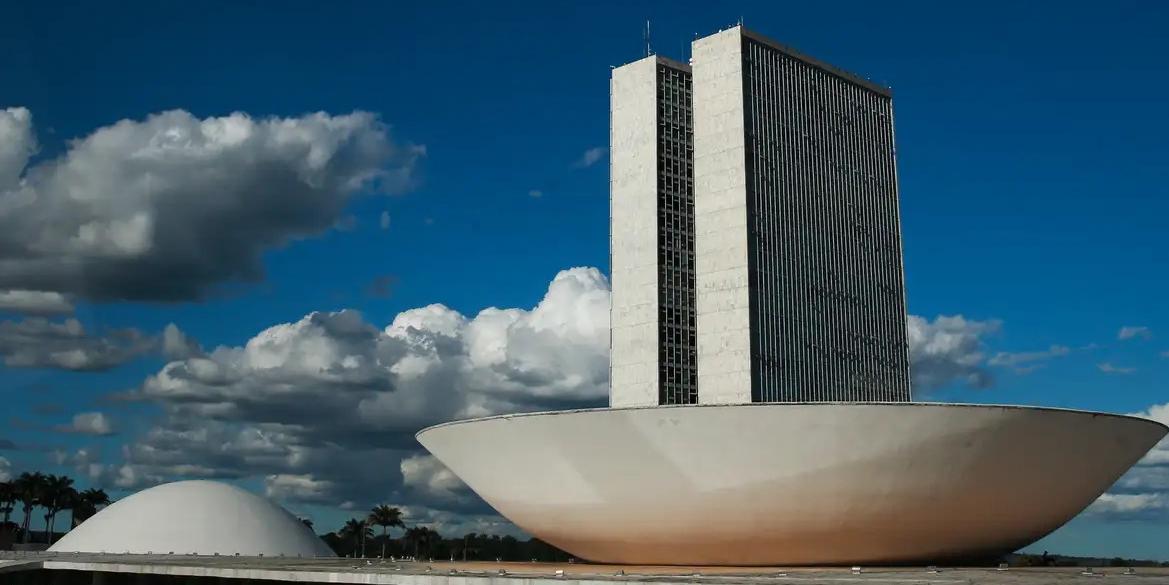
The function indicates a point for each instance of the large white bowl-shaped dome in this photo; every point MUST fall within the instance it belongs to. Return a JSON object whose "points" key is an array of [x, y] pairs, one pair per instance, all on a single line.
{"points": [[792, 484], [199, 517]]}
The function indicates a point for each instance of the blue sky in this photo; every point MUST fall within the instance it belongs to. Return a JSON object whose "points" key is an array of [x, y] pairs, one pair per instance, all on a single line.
{"points": [[1032, 145]]}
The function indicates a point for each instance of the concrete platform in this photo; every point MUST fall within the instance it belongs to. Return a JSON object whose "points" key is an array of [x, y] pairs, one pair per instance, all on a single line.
{"points": [[109, 569]]}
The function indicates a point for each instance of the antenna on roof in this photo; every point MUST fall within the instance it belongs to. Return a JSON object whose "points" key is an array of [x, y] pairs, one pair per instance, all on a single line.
{"points": [[648, 51]]}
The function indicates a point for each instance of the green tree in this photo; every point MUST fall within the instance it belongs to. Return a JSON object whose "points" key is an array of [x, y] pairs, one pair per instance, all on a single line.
{"points": [[385, 516], [7, 500], [356, 531], [423, 538], [57, 494], [29, 489], [86, 504], [415, 536]]}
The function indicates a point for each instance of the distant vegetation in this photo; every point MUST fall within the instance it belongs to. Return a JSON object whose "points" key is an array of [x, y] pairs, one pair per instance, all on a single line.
{"points": [[1050, 560], [47, 494], [357, 539], [50, 495]]}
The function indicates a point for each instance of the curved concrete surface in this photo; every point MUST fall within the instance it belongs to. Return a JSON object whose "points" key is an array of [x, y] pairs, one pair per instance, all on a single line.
{"points": [[792, 484], [201, 517]]}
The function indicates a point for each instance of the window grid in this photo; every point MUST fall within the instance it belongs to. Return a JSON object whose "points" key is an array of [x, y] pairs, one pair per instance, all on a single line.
{"points": [[826, 284], [677, 363]]}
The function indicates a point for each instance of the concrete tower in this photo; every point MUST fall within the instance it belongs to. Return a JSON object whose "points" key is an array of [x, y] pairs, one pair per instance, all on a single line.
{"points": [[756, 239], [652, 244], [800, 284]]}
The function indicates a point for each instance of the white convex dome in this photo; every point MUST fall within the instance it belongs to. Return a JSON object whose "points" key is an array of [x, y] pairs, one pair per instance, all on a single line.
{"points": [[200, 517]]}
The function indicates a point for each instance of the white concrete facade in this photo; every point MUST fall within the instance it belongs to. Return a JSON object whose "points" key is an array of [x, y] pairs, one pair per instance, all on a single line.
{"points": [[720, 221], [633, 212], [792, 484]]}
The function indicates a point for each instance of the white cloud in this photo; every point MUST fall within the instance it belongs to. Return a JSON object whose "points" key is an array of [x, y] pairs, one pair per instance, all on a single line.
{"points": [[384, 220], [591, 157], [298, 488], [949, 350], [429, 476], [36, 342], [35, 302], [17, 144], [1130, 506], [5, 469], [1109, 368], [1028, 361], [168, 207], [1134, 332], [177, 345], [89, 423], [535, 193], [311, 403], [1159, 455], [1143, 492]]}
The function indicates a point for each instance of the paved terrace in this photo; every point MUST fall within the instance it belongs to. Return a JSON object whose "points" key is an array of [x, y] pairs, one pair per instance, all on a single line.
{"points": [[107, 569]]}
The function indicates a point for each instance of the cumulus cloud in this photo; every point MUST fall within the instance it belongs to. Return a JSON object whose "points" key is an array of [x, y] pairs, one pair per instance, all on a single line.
{"points": [[1134, 332], [298, 488], [1027, 361], [177, 345], [37, 342], [5, 469], [948, 350], [1130, 506], [310, 404], [1143, 492], [17, 144], [89, 423], [35, 302], [591, 157], [168, 207], [427, 475]]}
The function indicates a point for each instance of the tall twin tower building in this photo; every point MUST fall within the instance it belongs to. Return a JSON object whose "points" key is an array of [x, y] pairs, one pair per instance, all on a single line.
{"points": [[756, 239]]}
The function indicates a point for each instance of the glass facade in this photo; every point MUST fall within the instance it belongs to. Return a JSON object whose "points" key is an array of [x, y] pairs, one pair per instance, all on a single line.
{"points": [[825, 268], [677, 360]]}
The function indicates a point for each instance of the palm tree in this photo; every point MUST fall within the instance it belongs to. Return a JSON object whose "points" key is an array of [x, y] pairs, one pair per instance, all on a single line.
{"points": [[7, 500], [86, 503], [356, 530], [415, 535], [385, 516], [29, 488], [58, 495], [422, 534]]}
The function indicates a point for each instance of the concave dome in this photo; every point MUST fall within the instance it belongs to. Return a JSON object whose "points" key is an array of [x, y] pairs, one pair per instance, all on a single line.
{"points": [[199, 517]]}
